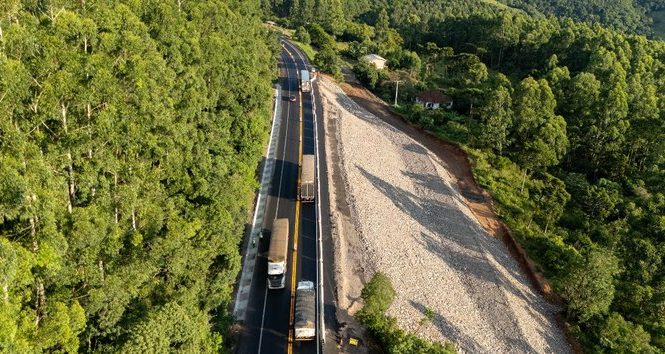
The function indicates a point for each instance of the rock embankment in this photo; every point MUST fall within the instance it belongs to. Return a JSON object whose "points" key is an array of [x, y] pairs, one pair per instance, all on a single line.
{"points": [[410, 223]]}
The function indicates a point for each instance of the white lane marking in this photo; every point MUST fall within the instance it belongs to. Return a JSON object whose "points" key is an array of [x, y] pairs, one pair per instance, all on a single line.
{"points": [[286, 134], [319, 228], [319, 250], [286, 140], [263, 318], [259, 198]]}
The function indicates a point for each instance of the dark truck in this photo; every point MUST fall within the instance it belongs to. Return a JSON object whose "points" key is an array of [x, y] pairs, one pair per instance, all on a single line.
{"points": [[306, 190], [305, 314]]}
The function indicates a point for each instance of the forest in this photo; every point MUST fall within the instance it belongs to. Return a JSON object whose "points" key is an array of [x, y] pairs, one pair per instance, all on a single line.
{"points": [[564, 122], [624, 15], [130, 133]]}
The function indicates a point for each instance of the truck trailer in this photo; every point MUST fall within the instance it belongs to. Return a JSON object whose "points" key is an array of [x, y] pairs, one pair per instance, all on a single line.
{"points": [[307, 191], [305, 314], [305, 84], [279, 247]]}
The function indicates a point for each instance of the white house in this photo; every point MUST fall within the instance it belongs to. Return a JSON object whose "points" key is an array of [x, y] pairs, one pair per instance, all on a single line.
{"points": [[376, 60], [434, 100]]}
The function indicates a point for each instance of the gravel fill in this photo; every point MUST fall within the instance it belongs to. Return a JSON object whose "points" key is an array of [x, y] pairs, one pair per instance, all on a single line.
{"points": [[414, 226]]}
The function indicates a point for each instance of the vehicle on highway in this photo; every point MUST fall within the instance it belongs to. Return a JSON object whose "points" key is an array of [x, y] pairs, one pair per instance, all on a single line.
{"points": [[305, 84], [279, 247], [305, 314], [306, 189], [292, 98]]}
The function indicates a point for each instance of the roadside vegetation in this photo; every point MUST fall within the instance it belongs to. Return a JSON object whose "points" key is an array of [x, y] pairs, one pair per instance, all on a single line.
{"points": [[130, 133], [564, 123], [302, 39], [378, 295]]}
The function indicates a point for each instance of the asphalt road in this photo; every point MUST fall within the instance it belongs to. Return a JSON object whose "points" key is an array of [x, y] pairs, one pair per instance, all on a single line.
{"points": [[266, 327], [314, 130]]}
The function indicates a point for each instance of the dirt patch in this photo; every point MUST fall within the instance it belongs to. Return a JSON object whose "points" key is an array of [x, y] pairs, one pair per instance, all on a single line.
{"points": [[421, 220]]}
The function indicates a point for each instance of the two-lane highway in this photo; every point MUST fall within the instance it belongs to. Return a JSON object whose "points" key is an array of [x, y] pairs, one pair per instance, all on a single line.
{"points": [[269, 313], [315, 130]]}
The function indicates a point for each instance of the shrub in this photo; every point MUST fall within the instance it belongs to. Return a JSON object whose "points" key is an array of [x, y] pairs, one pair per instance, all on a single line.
{"points": [[319, 37], [367, 74], [404, 59], [328, 61], [302, 35], [378, 295]]}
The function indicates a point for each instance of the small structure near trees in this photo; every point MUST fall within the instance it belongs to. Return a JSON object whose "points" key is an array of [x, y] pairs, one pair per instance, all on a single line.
{"points": [[434, 99], [375, 60]]}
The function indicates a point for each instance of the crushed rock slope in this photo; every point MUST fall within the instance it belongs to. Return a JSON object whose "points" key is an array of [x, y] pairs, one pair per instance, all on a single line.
{"points": [[415, 227]]}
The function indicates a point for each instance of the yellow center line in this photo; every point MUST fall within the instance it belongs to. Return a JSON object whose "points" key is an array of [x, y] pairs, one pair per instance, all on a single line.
{"points": [[295, 236]]}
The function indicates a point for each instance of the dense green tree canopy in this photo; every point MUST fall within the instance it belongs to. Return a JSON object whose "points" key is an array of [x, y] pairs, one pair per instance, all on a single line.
{"points": [[129, 136]]}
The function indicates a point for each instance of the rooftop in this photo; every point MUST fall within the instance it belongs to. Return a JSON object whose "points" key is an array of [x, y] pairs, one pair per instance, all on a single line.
{"points": [[371, 57]]}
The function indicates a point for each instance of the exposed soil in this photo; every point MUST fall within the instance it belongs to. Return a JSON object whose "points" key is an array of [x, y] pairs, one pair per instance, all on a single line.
{"points": [[457, 163], [411, 209], [454, 158], [477, 199], [350, 265]]}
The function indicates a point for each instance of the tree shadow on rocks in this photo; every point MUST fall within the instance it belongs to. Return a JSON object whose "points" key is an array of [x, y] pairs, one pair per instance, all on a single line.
{"points": [[466, 248]]}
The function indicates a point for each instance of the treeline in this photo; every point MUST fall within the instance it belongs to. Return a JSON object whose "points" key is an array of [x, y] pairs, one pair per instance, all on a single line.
{"points": [[566, 125], [624, 15], [130, 132]]}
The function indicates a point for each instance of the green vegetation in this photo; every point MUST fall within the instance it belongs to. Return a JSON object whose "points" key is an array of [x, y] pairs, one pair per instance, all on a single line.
{"points": [[658, 17], [564, 123], [307, 49], [130, 132], [378, 295], [624, 15], [302, 39]]}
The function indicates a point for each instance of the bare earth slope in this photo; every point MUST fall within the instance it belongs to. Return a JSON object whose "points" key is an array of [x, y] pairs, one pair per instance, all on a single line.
{"points": [[410, 223]]}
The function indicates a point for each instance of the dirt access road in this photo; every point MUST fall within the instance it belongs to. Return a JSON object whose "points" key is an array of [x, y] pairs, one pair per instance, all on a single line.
{"points": [[406, 204]]}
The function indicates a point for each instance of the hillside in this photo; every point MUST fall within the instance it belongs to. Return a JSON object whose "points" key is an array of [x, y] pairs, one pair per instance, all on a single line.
{"points": [[563, 121], [130, 132], [624, 15]]}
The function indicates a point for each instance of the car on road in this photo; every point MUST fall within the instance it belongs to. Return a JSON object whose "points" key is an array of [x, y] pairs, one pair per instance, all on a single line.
{"points": [[292, 98]]}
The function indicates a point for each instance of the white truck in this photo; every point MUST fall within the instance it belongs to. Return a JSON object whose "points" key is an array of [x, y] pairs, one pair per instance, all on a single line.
{"points": [[306, 190], [305, 83], [279, 247], [305, 314]]}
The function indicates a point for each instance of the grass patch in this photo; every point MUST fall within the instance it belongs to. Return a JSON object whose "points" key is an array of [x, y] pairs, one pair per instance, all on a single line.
{"points": [[658, 23], [342, 46], [309, 51], [281, 30]]}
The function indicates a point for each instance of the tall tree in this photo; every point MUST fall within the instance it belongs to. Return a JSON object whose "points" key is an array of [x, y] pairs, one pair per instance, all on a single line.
{"points": [[496, 117], [131, 133], [540, 135], [588, 286]]}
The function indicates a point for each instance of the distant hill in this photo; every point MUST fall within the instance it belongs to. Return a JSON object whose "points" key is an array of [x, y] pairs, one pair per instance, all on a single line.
{"points": [[625, 15], [658, 17]]}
